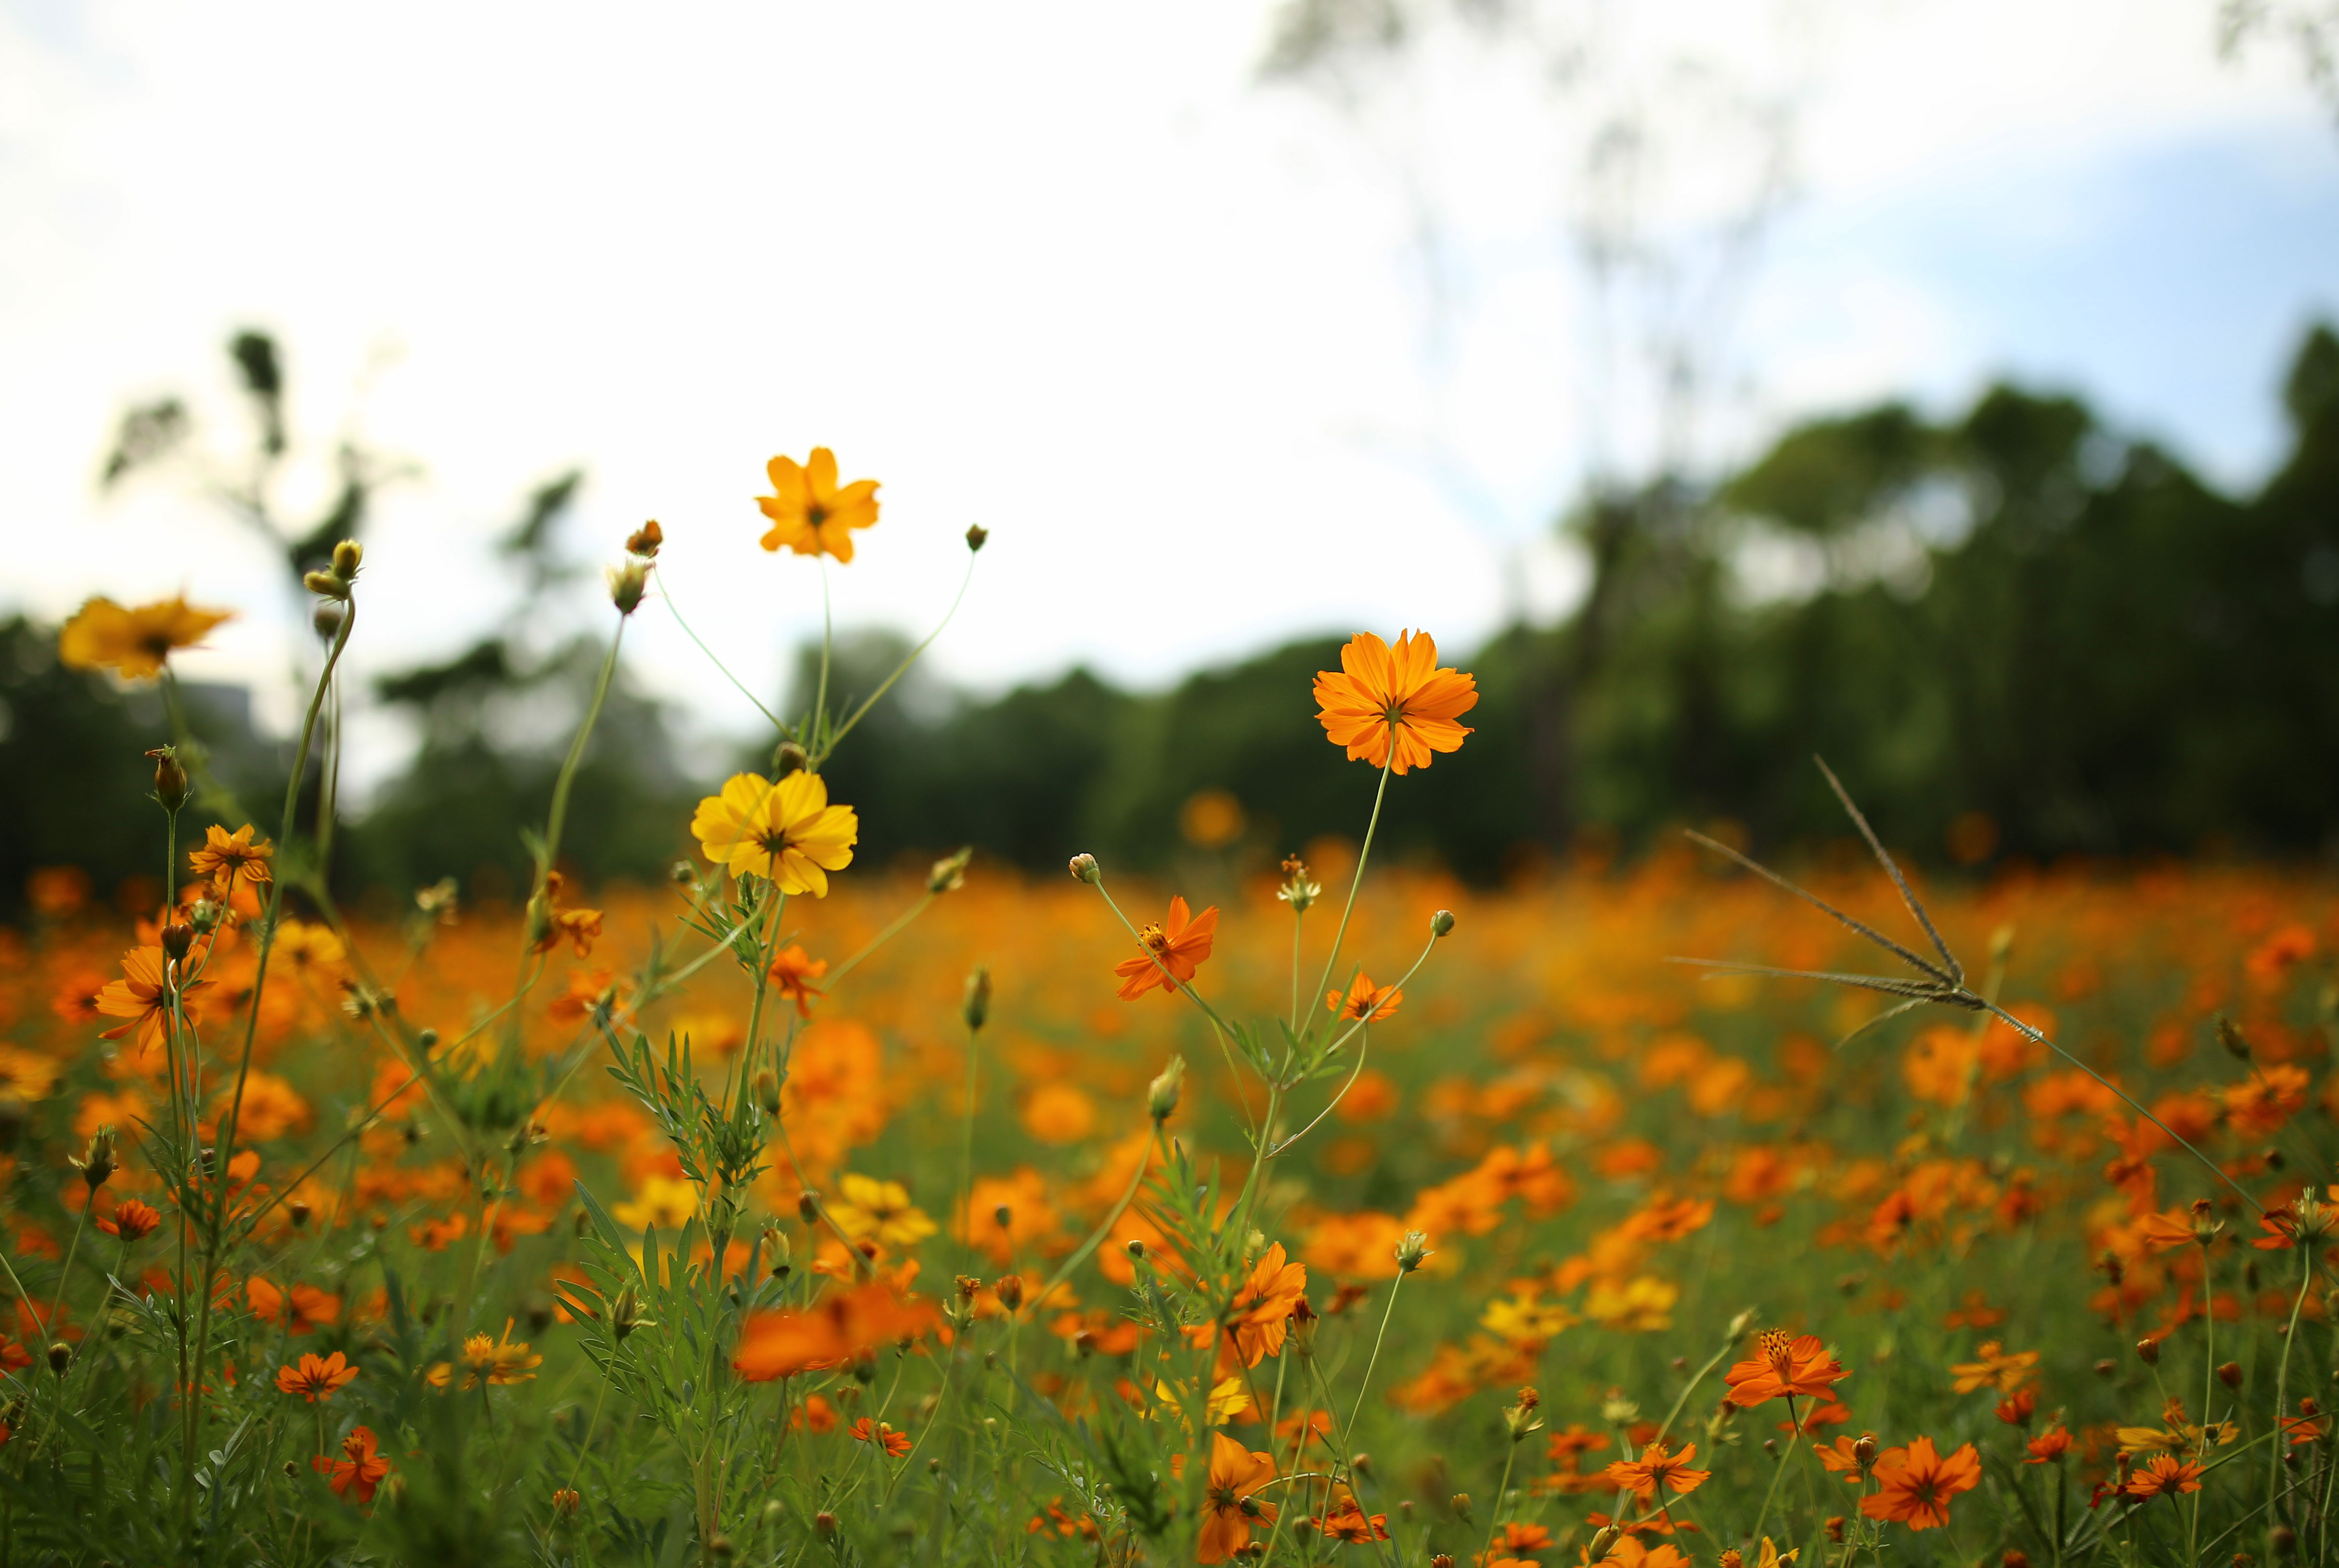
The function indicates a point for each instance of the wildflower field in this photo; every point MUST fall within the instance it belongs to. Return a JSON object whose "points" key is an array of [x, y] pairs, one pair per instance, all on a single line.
{"points": [[799, 1210]]}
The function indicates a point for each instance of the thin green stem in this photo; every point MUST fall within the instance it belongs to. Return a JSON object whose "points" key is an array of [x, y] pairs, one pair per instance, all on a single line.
{"points": [[1364, 853], [1363, 1385]]}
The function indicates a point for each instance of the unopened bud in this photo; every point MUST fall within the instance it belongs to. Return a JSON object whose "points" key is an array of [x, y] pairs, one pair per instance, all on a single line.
{"points": [[1084, 869], [96, 1163], [1460, 1504], [348, 556], [808, 1206], [824, 1524], [325, 619], [1135, 1248], [791, 758], [767, 1090], [2148, 1352], [298, 1212], [1604, 1541], [948, 874], [2230, 1036], [1304, 1319], [1009, 1290], [1441, 922], [324, 585], [626, 584], [645, 540], [1162, 1095], [178, 940], [2230, 1375], [977, 536], [1412, 1250], [60, 1357], [170, 778], [976, 1007], [1863, 1451]]}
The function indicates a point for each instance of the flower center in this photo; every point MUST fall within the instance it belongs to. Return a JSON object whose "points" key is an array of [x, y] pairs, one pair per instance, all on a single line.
{"points": [[1154, 939]]}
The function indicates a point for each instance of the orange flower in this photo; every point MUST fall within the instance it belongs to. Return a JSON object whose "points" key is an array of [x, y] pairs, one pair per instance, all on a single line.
{"points": [[1782, 1366], [1365, 999], [2049, 1445], [226, 855], [1996, 1369], [1656, 1467], [1915, 1483], [1234, 1475], [1383, 697], [503, 1362], [143, 995], [1174, 950], [1516, 1540], [132, 1221], [810, 514], [831, 1332], [1261, 1309], [361, 1471], [134, 644], [1842, 1457], [1351, 1526], [896, 1443], [793, 972], [316, 1376], [2165, 1476]]}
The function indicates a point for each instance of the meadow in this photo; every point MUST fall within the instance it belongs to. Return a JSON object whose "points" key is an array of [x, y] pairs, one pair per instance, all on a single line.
{"points": [[802, 1210]]}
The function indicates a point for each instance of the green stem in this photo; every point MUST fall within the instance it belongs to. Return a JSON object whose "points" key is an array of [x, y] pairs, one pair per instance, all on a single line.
{"points": [[1365, 1385], [2282, 1386], [1364, 853]]}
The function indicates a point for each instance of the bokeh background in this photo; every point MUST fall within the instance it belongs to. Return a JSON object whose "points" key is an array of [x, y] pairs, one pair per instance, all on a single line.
{"points": [[1941, 387]]}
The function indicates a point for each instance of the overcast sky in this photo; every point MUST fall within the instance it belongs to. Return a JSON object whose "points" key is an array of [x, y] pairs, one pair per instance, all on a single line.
{"points": [[1218, 361]]}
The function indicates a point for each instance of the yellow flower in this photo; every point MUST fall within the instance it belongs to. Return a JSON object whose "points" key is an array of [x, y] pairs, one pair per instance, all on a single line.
{"points": [[881, 1209], [101, 635], [785, 831], [665, 1201], [810, 514], [502, 1362], [1638, 1306], [1526, 1320]]}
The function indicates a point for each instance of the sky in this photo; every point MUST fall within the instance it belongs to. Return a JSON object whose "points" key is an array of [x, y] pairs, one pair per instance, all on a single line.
{"points": [[1219, 361]]}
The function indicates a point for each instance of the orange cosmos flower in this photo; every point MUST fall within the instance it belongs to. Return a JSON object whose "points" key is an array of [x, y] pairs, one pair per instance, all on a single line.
{"points": [[1261, 1309], [1656, 1467], [132, 1221], [793, 972], [1915, 1483], [1783, 1365], [2049, 1445], [133, 644], [1996, 1369], [502, 1361], [316, 1376], [896, 1443], [1364, 1000], [810, 514], [1234, 1475], [226, 855], [1179, 946], [2165, 1476], [785, 831], [361, 1471], [834, 1330], [1383, 697], [143, 996], [1351, 1526]]}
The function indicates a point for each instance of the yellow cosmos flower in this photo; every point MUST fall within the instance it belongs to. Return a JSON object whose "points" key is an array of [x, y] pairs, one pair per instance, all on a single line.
{"points": [[810, 514], [133, 643], [879, 1209], [787, 832]]}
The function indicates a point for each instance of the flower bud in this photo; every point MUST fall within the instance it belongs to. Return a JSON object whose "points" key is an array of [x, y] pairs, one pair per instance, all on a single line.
{"points": [[1135, 1247], [60, 1357], [948, 873], [790, 758], [1084, 869], [1460, 1504], [170, 778], [2148, 1352], [325, 619], [324, 585], [1304, 1319], [626, 1312], [565, 1502], [977, 536], [1010, 1291], [645, 540], [976, 1008], [1162, 1095], [2229, 1035], [2230, 1375], [808, 1207], [1604, 1541], [824, 1524], [347, 556], [1441, 922], [298, 1212], [178, 939], [1412, 1251], [626, 584], [1864, 1451], [97, 1164], [767, 1090]]}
